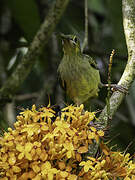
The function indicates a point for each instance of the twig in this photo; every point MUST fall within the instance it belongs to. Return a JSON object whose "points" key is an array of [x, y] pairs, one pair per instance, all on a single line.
{"points": [[40, 40], [129, 72], [85, 42], [109, 84], [9, 114], [24, 97]]}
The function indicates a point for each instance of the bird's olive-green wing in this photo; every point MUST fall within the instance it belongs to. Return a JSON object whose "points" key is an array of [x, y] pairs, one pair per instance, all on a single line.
{"points": [[61, 81], [91, 61]]}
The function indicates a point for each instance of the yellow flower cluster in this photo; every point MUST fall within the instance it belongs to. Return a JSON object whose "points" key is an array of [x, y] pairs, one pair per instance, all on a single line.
{"points": [[110, 165], [45, 145]]}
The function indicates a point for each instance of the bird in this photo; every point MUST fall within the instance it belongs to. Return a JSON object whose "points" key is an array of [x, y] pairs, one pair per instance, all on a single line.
{"points": [[78, 72]]}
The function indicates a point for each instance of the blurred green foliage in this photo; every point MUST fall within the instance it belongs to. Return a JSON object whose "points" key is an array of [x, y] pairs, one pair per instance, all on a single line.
{"points": [[26, 15], [21, 20]]}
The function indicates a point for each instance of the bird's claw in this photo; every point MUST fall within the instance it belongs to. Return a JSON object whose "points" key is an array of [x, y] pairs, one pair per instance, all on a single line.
{"points": [[116, 87]]}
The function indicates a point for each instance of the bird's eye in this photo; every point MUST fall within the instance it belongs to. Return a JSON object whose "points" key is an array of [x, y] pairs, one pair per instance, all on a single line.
{"points": [[75, 40]]}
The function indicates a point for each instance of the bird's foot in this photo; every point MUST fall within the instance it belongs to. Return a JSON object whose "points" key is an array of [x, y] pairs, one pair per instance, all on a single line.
{"points": [[116, 87]]}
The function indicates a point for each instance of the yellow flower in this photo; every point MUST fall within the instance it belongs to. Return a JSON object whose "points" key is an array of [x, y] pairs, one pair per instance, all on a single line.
{"points": [[12, 158], [68, 146], [49, 136], [87, 165], [8, 137], [63, 174], [94, 134], [69, 108], [100, 133], [4, 157], [27, 115], [47, 114], [41, 149], [72, 177], [61, 165], [35, 166], [4, 165], [61, 126], [31, 129], [24, 151], [83, 149], [16, 169], [48, 171]]}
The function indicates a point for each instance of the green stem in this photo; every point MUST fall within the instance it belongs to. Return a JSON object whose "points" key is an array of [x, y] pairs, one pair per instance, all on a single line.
{"points": [[85, 42]]}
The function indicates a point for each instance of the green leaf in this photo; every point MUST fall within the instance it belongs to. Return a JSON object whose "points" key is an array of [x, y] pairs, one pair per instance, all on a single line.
{"points": [[25, 13], [97, 6], [115, 15]]}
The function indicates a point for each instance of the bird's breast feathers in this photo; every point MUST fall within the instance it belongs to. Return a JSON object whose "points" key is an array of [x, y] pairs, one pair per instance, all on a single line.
{"points": [[81, 79]]}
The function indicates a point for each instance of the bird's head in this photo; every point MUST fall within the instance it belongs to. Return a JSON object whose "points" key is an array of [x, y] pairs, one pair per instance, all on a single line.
{"points": [[71, 44]]}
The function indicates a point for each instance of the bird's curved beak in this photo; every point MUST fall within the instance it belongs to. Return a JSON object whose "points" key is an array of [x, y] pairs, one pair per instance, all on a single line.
{"points": [[63, 36], [65, 42], [65, 39]]}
